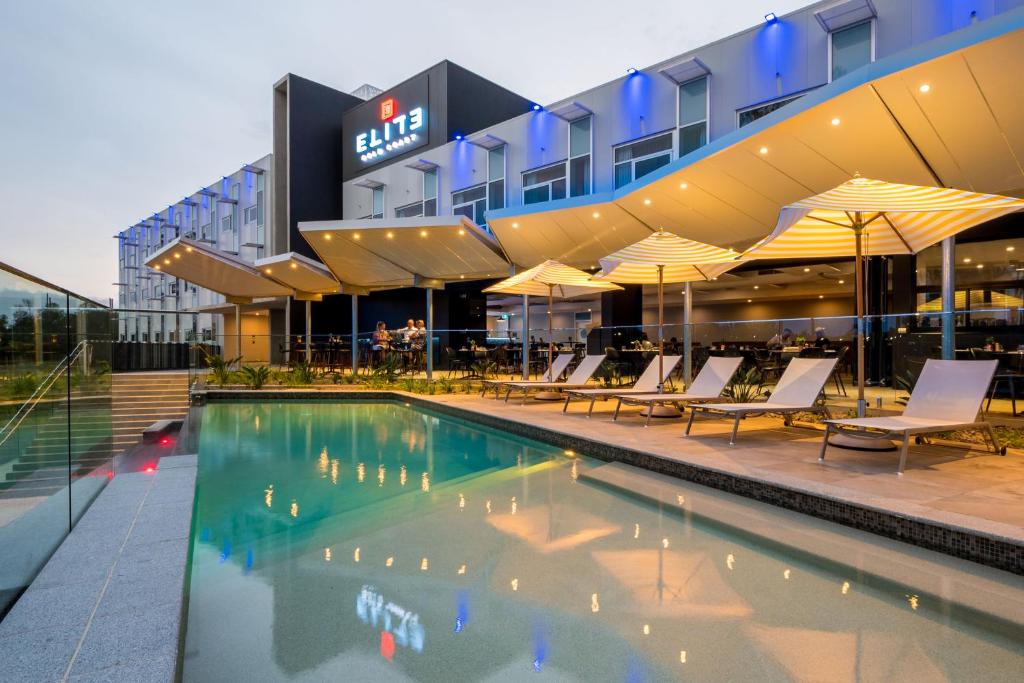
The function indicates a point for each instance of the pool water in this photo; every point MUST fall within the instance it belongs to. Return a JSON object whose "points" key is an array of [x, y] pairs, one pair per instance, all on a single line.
{"points": [[379, 542]]}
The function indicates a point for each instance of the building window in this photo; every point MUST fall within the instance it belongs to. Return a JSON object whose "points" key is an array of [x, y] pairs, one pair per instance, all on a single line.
{"points": [[409, 210], [430, 192], [745, 116], [496, 177], [637, 159], [580, 144], [850, 48], [544, 184], [377, 209], [472, 203], [693, 115]]}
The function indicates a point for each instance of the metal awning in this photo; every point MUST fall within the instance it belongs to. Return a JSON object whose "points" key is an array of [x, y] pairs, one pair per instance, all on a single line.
{"points": [[486, 141], [965, 130], [380, 253], [309, 278], [570, 110], [213, 269]]}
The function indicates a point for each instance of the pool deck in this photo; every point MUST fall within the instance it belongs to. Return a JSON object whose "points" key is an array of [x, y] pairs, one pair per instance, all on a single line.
{"points": [[963, 501]]}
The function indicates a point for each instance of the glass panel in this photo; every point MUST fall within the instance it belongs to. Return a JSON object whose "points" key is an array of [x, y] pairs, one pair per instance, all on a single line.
{"points": [[647, 165], [751, 115], [623, 174], [693, 101], [480, 209], [544, 175], [469, 195], [642, 148], [558, 189], [430, 184], [409, 210], [579, 137], [692, 137], [851, 49], [579, 176], [430, 207], [464, 210], [496, 194], [536, 195], [496, 163], [378, 202]]}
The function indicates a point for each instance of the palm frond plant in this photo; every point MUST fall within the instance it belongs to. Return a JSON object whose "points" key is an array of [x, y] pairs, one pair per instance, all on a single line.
{"points": [[255, 376], [745, 387], [485, 368], [388, 369], [303, 373], [220, 369]]}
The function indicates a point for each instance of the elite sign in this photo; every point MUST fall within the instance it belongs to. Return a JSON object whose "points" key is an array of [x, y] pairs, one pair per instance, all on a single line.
{"points": [[398, 130]]}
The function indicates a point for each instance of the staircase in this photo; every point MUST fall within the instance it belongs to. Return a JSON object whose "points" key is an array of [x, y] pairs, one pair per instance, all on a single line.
{"points": [[101, 427]]}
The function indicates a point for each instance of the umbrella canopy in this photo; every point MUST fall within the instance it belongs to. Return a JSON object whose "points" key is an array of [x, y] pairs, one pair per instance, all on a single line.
{"points": [[893, 219], [867, 217], [679, 259], [550, 279], [666, 257]]}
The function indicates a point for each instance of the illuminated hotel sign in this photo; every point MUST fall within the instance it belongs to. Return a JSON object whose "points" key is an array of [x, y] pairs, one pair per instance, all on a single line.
{"points": [[398, 129]]}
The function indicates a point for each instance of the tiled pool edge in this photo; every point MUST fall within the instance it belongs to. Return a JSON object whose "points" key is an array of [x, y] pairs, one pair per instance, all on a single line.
{"points": [[110, 604], [976, 546]]}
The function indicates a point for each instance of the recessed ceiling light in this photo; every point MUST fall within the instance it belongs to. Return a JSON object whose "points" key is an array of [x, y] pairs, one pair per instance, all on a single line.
{"points": [[683, 186], [423, 233], [461, 231], [295, 266], [967, 260], [757, 286], [980, 265], [177, 255], [763, 150], [821, 296], [327, 237], [462, 277], [167, 261], [390, 235], [188, 249], [842, 282], [597, 215], [1010, 248], [924, 88], [749, 300], [807, 270], [835, 121], [156, 267], [267, 271], [355, 235], [515, 225], [647, 202]]}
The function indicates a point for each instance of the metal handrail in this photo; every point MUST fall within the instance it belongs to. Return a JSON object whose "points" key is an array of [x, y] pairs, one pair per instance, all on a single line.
{"points": [[30, 403]]}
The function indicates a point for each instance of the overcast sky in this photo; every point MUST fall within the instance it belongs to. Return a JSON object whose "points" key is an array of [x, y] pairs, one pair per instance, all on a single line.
{"points": [[110, 111]]}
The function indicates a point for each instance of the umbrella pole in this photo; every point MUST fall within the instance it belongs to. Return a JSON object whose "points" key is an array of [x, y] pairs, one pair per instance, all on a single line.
{"points": [[551, 348], [858, 230], [661, 329], [525, 342]]}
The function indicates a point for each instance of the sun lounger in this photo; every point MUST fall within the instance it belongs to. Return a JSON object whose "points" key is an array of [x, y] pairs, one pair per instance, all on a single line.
{"points": [[645, 384], [706, 386], [797, 391], [577, 380], [947, 396], [558, 366]]}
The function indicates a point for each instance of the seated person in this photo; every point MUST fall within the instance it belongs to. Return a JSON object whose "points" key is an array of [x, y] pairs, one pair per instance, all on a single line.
{"points": [[783, 339], [409, 331], [820, 340], [645, 343], [419, 340], [381, 337]]}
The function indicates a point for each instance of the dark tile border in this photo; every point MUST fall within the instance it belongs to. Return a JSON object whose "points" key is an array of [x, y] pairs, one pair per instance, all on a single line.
{"points": [[967, 544]]}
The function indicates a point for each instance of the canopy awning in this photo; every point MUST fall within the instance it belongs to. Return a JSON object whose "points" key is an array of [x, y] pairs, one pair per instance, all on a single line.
{"points": [[215, 270], [964, 130], [381, 253], [304, 275]]}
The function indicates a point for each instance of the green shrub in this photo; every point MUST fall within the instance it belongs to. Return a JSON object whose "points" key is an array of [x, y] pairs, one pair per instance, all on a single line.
{"points": [[745, 387], [255, 377], [220, 369]]}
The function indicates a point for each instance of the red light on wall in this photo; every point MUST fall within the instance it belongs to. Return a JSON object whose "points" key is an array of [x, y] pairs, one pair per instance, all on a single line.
{"points": [[387, 646], [387, 109], [165, 441], [150, 469]]}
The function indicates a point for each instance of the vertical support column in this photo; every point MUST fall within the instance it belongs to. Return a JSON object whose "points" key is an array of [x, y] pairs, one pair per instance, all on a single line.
{"points": [[949, 298], [288, 331], [687, 334], [37, 334], [429, 346], [238, 333], [526, 337], [355, 335], [309, 331]]}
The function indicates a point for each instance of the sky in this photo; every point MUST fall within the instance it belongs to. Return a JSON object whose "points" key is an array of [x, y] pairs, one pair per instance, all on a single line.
{"points": [[113, 110]]}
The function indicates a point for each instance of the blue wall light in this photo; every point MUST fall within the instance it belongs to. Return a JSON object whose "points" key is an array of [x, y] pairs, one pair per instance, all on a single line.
{"points": [[770, 18], [458, 136], [631, 70], [536, 107]]}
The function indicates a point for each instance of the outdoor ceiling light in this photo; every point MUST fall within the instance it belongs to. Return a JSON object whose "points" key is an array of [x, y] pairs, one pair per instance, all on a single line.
{"points": [[683, 186], [836, 121], [770, 18], [390, 235], [177, 255], [461, 231], [647, 202], [763, 150], [924, 88], [597, 215], [423, 233], [1010, 248], [267, 271], [515, 225], [327, 236], [356, 235], [967, 260], [295, 266]]}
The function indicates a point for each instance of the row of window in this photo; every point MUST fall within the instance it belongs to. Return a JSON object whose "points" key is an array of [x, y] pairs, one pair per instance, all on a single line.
{"points": [[849, 48]]}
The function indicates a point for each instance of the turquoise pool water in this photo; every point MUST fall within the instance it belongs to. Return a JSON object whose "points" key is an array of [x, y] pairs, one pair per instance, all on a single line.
{"points": [[378, 542]]}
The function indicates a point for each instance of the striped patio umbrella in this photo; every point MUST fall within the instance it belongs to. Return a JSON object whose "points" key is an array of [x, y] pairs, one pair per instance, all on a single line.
{"points": [[867, 217], [549, 279], [666, 257]]}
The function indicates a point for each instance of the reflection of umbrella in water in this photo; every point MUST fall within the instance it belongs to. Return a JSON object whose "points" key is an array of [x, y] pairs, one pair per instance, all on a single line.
{"points": [[673, 583]]}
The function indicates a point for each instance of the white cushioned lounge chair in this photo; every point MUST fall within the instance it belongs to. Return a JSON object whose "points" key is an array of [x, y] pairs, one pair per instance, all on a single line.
{"points": [[708, 385], [645, 384], [577, 380], [555, 371], [797, 391], [947, 396]]}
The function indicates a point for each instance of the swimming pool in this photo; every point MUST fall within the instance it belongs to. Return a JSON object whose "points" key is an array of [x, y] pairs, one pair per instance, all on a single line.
{"points": [[377, 541]]}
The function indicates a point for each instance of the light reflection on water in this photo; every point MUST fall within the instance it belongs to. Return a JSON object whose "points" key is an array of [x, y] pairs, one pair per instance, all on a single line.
{"points": [[505, 563]]}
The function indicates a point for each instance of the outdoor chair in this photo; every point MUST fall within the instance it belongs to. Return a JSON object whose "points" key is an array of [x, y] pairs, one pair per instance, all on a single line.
{"points": [[947, 397], [797, 391], [647, 383], [1004, 374], [456, 363], [558, 366], [708, 385], [577, 380]]}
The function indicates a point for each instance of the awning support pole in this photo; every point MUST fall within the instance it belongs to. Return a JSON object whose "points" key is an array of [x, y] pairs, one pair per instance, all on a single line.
{"points": [[858, 231], [238, 333], [526, 337], [661, 329], [355, 335], [429, 346], [687, 335], [309, 331], [949, 298]]}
